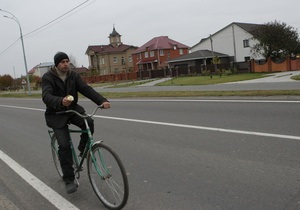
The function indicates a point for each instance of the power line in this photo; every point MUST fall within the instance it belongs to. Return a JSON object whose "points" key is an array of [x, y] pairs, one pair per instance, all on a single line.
{"points": [[9, 47], [58, 18], [47, 24]]}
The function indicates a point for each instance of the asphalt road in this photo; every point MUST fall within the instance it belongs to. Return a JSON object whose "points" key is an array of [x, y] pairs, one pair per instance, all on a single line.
{"points": [[179, 154]]}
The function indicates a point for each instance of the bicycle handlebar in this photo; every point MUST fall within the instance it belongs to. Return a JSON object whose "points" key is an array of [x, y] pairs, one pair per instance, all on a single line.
{"points": [[80, 115]]}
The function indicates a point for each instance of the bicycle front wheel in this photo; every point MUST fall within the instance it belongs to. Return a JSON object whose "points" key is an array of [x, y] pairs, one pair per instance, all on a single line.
{"points": [[108, 176], [54, 149]]}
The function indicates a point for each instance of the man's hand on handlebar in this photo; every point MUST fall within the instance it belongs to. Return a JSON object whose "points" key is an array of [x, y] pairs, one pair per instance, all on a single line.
{"points": [[105, 105]]}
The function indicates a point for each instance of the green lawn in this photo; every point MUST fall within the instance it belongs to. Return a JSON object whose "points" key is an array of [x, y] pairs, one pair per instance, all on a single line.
{"points": [[207, 80]]}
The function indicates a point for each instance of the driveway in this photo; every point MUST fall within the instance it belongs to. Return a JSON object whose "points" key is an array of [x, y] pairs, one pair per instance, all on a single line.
{"points": [[273, 77]]}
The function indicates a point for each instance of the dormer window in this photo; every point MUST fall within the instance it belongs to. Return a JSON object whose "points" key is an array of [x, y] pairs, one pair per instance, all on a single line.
{"points": [[174, 47]]}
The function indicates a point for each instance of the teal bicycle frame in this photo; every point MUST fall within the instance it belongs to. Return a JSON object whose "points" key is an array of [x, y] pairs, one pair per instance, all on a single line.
{"points": [[88, 148]]}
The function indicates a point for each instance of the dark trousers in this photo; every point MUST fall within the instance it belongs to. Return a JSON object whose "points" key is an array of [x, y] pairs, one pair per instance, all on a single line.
{"points": [[64, 150]]}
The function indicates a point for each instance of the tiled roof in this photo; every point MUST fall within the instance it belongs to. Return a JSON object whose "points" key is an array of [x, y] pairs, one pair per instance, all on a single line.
{"points": [[45, 64], [104, 49], [80, 70], [114, 33], [247, 26], [154, 60], [160, 43], [199, 54]]}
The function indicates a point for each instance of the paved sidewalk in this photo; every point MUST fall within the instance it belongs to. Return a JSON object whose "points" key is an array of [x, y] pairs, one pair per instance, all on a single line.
{"points": [[152, 83]]}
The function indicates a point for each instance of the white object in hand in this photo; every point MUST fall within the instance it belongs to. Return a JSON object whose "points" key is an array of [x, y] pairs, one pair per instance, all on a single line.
{"points": [[70, 98]]}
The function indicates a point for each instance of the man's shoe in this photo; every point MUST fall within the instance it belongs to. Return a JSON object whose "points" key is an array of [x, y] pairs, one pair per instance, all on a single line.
{"points": [[71, 187]]}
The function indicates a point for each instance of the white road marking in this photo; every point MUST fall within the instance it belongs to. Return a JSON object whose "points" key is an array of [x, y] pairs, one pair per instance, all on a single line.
{"points": [[183, 125], [205, 100], [204, 128], [52, 196]]}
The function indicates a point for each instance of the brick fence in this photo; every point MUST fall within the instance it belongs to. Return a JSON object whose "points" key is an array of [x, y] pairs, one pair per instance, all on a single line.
{"points": [[269, 66], [110, 77]]}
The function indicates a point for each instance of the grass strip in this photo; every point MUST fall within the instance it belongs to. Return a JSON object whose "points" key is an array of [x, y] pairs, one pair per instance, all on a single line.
{"points": [[178, 94]]}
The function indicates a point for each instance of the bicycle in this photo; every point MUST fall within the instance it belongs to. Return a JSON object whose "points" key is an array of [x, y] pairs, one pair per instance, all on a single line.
{"points": [[106, 172]]}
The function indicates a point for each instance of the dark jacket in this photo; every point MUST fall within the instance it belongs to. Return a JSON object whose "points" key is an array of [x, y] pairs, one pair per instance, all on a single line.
{"points": [[54, 90]]}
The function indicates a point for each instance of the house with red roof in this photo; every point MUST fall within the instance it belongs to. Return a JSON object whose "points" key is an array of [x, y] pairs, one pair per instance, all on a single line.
{"points": [[156, 53], [113, 58]]}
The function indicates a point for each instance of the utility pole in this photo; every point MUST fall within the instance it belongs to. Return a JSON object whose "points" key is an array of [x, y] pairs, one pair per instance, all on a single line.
{"points": [[211, 45], [23, 48]]}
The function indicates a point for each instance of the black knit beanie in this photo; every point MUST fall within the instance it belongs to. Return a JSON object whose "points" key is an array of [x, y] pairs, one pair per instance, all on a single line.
{"points": [[59, 57]]}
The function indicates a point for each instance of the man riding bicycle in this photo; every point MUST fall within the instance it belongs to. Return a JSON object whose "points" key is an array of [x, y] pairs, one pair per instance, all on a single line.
{"points": [[60, 88]]}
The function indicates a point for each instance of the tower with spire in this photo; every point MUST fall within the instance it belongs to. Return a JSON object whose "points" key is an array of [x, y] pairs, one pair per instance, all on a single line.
{"points": [[115, 38]]}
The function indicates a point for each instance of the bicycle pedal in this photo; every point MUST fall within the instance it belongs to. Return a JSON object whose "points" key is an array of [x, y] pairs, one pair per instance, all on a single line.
{"points": [[76, 181]]}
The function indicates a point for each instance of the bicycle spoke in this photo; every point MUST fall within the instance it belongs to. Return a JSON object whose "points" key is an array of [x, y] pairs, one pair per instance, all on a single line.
{"points": [[108, 177], [112, 184]]}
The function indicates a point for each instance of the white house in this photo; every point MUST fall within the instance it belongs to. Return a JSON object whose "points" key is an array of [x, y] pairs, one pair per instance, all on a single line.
{"points": [[234, 40], [40, 69]]}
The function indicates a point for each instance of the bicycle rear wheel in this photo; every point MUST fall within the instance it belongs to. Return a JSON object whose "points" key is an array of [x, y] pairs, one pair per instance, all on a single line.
{"points": [[54, 149], [108, 176]]}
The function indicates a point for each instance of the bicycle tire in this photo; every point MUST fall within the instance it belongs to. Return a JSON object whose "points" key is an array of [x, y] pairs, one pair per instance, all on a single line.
{"points": [[112, 188], [54, 149]]}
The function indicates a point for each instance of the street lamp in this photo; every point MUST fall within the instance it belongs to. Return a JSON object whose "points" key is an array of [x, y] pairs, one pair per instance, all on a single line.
{"points": [[25, 62]]}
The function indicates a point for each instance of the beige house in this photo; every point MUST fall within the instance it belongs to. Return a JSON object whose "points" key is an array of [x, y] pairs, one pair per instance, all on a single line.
{"points": [[113, 58]]}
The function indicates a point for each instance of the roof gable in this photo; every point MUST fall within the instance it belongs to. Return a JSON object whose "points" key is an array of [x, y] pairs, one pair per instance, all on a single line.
{"points": [[248, 27], [160, 43], [199, 54], [104, 49]]}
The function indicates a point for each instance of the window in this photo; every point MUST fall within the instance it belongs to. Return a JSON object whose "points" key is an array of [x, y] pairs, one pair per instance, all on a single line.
{"points": [[180, 51], [129, 59], [246, 43], [247, 58], [123, 60], [161, 52], [101, 61], [115, 60], [146, 55], [152, 53]]}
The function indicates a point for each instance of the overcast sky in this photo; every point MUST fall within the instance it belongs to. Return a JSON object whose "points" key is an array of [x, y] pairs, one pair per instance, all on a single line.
{"points": [[137, 21]]}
